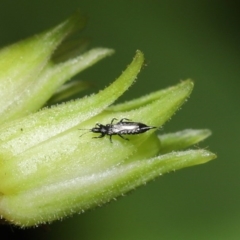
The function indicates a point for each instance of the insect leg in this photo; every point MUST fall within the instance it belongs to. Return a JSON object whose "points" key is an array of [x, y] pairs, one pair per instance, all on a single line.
{"points": [[100, 136], [123, 137], [110, 137], [124, 119], [113, 120]]}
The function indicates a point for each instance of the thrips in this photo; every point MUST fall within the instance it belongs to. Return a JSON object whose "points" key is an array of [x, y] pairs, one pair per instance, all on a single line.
{"points": [[123, 127]]}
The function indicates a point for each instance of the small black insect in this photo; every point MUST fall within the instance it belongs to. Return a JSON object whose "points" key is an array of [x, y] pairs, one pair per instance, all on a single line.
{"points": [[123, 127]]}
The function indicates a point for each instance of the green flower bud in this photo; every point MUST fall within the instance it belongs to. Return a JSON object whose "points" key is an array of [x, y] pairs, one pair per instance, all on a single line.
{"points": [[49, 168]]}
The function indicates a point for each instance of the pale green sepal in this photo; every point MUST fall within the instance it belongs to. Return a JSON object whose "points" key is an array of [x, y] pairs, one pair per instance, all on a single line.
{"points": [[81, 193], [144, 100], [182, 139], [53, 76], [21, 64]]}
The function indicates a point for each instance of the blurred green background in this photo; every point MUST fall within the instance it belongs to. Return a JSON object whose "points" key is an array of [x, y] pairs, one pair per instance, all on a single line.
{"points": [[180, 39]]}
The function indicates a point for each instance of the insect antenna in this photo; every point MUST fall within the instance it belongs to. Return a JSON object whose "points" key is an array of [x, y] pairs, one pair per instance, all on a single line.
{"points": [[89, 130]]}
